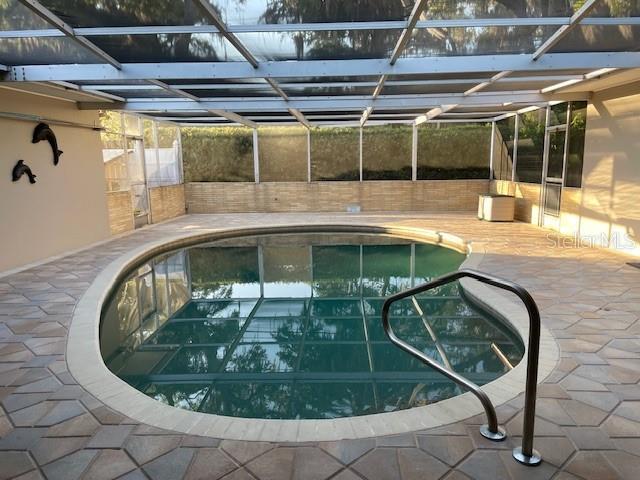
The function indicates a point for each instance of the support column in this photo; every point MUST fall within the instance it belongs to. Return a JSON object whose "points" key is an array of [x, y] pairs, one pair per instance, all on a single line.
{"points": [[256, 157]]}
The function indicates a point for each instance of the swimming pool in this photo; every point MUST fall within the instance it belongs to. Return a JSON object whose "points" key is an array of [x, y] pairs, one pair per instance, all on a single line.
{"points": [[289, 327]]}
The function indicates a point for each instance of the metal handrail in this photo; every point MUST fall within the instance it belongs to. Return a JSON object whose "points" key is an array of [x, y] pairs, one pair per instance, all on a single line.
{"points": [[525, 454]]}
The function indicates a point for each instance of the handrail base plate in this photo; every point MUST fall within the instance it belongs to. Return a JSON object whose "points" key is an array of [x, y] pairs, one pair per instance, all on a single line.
{"points": [[498, 436], [530, 461]]}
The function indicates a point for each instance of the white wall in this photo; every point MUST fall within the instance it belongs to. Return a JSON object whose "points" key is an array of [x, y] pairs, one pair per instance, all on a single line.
{"points": [[66, 209], [610, 204]]}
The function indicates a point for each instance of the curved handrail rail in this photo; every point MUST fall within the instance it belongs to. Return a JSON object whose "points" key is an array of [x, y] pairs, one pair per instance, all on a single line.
{"points": [[526, 454]]}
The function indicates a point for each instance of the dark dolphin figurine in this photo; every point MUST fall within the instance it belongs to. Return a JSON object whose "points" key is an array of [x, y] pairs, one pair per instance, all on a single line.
{"points": [[20, 169], [44, 132]]}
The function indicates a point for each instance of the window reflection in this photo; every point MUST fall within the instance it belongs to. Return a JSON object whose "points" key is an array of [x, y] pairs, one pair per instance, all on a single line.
{"points": [[503, 148]]}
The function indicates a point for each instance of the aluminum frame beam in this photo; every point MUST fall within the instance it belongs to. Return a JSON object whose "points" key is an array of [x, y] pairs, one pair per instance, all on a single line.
{"points": [[365, 115], [86, 91], [213, 17], [234, 117], [481, 86], [565, 29], [300, 117], [51, 18], [326, 68], [411, 102], [418, 8], [319, 27], [399, 83]]}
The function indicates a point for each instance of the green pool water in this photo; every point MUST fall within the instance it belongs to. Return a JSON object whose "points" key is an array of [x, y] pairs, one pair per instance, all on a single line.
{"points": [[289, 326]]}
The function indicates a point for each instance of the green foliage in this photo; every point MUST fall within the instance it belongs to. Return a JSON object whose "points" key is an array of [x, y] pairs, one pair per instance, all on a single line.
{"points": [[386, 152], [283, 154], [335, 153], [453, 151], [221, 154]]}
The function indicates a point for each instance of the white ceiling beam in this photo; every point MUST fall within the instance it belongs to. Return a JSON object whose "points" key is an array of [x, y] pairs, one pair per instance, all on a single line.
{"points": [[234, 117], [434, 113], [481, 86], [332, 103], [253, 86], [327, 68], [587, 76], [318, 27], [67, 30], [565, 29]]}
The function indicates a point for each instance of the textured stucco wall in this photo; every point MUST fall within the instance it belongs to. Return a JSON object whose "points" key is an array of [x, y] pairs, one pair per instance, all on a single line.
{"points": [[66, 209]]}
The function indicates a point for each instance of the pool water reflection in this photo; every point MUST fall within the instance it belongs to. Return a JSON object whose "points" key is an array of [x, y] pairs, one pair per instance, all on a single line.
{"points": [[289, 326]]}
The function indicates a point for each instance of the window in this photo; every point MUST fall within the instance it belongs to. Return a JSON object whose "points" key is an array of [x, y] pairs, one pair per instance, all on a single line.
{"points": [[453, 151], [530, 146], [386, 152], [558, 114], [116, 171], [220, 154], [575, 155], [503, 148], [132, 146]]}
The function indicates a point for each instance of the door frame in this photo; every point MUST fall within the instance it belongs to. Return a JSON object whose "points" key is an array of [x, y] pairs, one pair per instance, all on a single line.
{"points": [[546, 219]]}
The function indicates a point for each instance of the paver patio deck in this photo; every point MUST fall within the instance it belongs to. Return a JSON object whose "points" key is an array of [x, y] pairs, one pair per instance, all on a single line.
{"points": [[588, 422]]}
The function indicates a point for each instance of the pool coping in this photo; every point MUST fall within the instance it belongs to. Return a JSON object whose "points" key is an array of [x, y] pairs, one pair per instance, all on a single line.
{"points": [[86, 365]]}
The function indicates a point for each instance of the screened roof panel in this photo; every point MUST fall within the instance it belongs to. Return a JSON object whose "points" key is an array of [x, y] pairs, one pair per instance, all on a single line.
{"points": [[286, 33], [127, 13], [281, 113], [616, 8], [441, 76], [230, 92], [444, 9], [506, 86], [15, 16], [361, 78], [140, 93], [427, 42], [322, 91], [416, 111], [201, 47], [178, 115], [43, 51], [450, 87], [479, 108], [250, 12], [115, 83], [324, 45], [600, 38], [244, 82], [534, 73]]}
